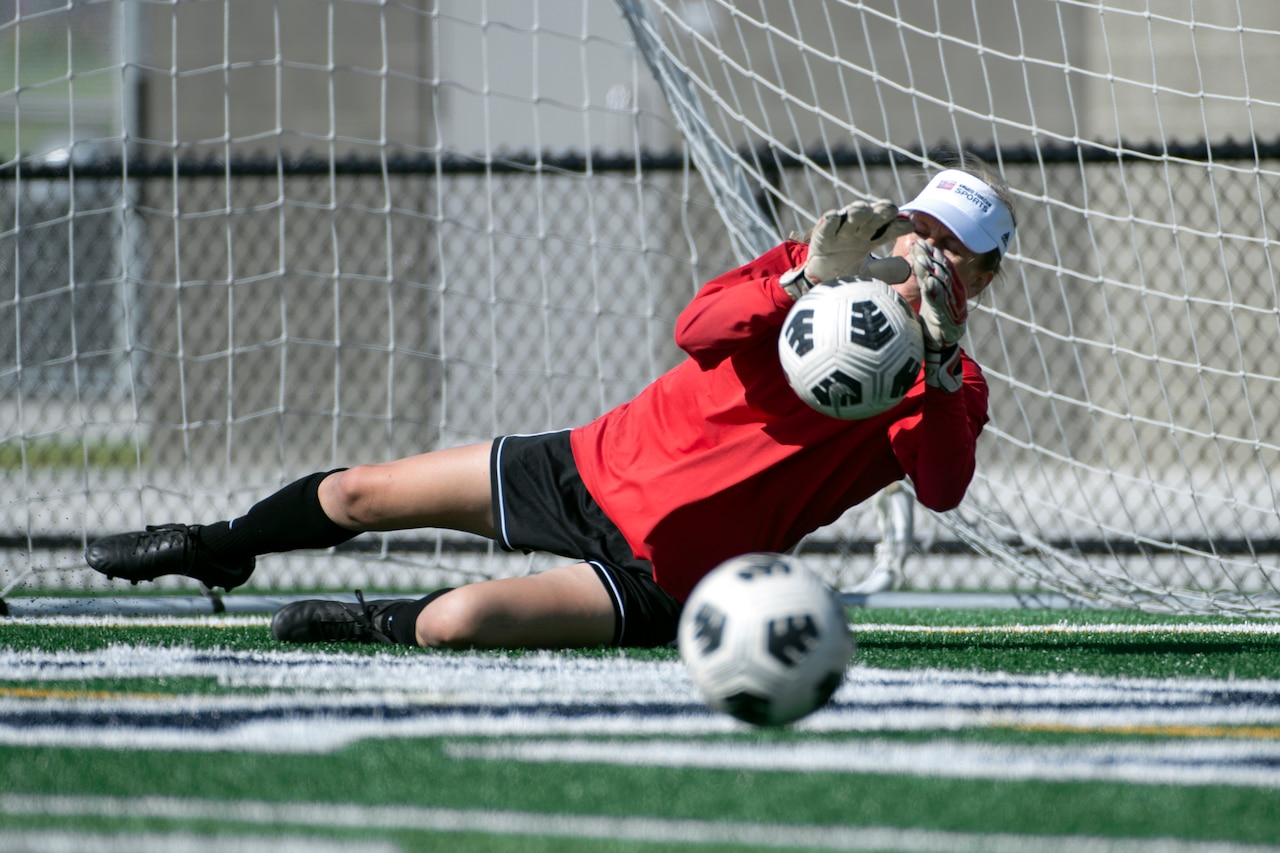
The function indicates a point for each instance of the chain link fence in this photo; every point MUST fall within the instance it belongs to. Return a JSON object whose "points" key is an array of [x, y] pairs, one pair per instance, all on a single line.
{"points": [[173, 348]]}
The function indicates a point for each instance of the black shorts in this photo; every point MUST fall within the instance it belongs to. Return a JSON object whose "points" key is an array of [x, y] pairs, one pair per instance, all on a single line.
{"points": [[541, 504]]}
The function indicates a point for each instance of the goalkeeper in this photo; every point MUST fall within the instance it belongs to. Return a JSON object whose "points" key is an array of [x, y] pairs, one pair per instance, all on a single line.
{"points": [[716, 458]]}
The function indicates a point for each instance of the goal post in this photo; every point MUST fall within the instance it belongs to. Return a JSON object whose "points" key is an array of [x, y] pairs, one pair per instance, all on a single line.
{"points": [[243, 241]]}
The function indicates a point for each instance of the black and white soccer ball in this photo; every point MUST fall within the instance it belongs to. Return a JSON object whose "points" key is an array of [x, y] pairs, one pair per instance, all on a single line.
{"points": [[851, 349], [765, 639]]}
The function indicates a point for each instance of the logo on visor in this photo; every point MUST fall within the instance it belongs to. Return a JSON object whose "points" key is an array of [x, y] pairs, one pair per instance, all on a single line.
{"points": [[946, 185]]}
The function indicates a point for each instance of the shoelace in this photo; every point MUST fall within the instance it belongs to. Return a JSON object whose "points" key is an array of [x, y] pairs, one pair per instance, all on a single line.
{"points": [[166, 536], [358, 627], [213, 573]]}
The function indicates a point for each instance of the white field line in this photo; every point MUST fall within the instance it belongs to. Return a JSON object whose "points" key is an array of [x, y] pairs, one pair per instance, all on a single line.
{"points": [[123, 621], [1067, 629], [589, 827], [69, 841], [1269, 628], [319, 702], [1198, 762], [548, 680]]}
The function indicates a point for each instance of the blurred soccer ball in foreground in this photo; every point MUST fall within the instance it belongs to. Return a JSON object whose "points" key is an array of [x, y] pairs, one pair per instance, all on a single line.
{"points": [[765, 639], [852, 349]]}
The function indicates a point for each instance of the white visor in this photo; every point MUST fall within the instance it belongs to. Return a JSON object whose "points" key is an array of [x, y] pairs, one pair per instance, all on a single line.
{"points": [[969, 207]]}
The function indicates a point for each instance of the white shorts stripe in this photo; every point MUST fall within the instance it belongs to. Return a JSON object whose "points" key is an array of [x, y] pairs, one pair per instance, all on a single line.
{"points": [[619, 607]]}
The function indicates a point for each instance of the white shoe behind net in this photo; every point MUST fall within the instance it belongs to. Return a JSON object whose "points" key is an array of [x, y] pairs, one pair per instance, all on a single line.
{"points": [[895, 516]]}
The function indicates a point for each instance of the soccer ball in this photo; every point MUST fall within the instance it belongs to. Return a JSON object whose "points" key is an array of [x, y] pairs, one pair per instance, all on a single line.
{"points": [[764, 639], [852, 349]]}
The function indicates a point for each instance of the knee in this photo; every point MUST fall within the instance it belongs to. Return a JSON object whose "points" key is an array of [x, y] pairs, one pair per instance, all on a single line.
{"points": [[348, 496], [454, 621]]}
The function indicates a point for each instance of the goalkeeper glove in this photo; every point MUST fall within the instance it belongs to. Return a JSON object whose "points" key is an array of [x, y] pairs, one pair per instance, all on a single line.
{"points": [[943, 368], [944, 310], [841, 245]]}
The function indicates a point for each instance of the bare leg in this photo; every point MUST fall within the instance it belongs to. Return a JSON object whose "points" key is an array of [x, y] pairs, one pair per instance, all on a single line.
{"points": [[445, 488], [559, 608]]}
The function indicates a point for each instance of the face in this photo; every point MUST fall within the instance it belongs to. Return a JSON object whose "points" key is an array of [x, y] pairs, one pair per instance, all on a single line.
{"points": [[966, 262]]}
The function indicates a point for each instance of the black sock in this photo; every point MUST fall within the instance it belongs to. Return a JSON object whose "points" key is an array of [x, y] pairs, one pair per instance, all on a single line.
{"points": [[288, 520], [400, 621]]}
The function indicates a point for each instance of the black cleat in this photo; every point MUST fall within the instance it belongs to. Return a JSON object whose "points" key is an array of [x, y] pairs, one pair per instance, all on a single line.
{"points": [[169, 549], [318, 621]]}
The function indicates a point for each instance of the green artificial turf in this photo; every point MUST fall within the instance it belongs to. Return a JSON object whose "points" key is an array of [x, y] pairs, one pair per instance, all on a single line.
{"points": [[1151, 653], [429, 773]]}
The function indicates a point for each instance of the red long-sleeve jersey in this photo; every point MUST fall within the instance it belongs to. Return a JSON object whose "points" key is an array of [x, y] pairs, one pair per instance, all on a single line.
{"points": [[719, 457]]}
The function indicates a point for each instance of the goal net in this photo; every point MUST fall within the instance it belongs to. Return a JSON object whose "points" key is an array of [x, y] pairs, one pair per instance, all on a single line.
{"points": [[243, 241]]}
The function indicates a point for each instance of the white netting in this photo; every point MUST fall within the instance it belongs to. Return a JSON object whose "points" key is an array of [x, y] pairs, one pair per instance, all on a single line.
{"points": [[240, 241], [1134, 391]]}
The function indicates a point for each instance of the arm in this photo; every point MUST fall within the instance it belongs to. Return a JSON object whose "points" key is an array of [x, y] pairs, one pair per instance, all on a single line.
{"points": [[940, 454], [937, 447], [739, 307]]}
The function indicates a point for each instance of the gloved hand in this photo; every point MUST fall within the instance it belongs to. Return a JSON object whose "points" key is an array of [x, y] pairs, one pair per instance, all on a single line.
{"points": [[944, 311], [841, 245]]}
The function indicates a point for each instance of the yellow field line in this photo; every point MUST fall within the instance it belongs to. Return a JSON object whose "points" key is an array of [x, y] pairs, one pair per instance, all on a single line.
{"points": [[62, 693], [1250, 732]]}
